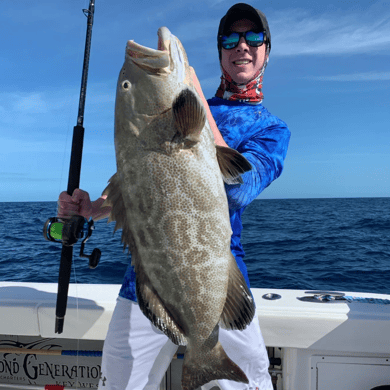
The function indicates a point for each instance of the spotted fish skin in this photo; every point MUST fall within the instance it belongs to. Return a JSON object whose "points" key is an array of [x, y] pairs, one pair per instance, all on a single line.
{"points": [[168, 198]]}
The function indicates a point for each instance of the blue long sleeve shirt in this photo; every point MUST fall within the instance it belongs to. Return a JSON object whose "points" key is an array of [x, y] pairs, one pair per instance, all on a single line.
{"points": [[263, 139]]}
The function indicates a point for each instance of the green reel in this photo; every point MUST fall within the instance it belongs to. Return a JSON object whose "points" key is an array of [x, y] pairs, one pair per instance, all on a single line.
{"points": [[69, 231], [53, 229]]}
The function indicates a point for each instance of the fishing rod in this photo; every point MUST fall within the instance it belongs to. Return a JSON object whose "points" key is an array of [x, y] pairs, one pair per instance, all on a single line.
{"points": [[69, 231]]}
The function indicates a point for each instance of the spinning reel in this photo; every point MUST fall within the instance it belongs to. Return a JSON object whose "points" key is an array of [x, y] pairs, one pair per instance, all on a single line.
{"points": [[68, 232]]}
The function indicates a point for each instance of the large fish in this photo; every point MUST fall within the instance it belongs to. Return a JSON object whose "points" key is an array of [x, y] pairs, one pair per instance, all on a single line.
{"points": [[168, 198]]}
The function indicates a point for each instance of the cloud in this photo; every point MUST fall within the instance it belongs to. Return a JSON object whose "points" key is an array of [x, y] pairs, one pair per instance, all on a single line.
{"points": [[297, 32], [30, 104], [54, 106], [21, 178], [6, 174], [28, 107], [28, 145], [302, 32], [367, 76]]}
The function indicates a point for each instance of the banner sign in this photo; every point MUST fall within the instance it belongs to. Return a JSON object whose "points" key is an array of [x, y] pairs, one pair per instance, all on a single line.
{"points": [[40, 369]]}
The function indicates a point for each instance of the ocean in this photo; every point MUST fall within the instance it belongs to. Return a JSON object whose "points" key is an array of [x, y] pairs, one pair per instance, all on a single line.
{"points": [[339, 244]]}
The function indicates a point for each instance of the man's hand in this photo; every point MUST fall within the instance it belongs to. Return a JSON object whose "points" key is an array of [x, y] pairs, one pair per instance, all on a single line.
{"points": [[77, 204]]}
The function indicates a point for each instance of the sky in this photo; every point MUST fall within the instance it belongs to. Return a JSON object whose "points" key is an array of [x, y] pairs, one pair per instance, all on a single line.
{"points": [[328, 78]]}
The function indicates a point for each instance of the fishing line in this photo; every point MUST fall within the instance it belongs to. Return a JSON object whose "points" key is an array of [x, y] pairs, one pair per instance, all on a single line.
{"points": [[77, 320]]}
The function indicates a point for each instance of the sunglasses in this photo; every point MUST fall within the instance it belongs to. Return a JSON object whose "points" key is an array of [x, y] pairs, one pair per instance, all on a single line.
{"points": [[252, 38]]}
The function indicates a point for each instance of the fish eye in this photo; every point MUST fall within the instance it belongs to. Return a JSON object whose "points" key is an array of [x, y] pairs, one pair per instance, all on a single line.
{"points": [[126, 85]]}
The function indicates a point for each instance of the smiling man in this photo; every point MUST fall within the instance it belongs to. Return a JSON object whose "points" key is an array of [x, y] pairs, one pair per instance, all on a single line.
{"points": [[240, 121]]}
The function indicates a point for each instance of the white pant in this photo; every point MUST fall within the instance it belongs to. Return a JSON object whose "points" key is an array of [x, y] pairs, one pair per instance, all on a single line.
{"points": [[136, 354]]}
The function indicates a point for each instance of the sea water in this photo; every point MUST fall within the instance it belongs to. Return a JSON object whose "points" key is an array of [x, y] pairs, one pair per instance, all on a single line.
{"points": [[340, 244]]}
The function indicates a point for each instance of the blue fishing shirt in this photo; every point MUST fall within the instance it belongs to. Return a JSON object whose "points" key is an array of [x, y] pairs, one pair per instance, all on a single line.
{"points": [[263, 139]]}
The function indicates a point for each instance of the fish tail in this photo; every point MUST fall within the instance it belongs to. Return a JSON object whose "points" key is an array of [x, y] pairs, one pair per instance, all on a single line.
{"points": [[203, 368]]}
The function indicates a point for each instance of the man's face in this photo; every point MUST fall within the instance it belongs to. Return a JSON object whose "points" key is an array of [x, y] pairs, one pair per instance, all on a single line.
{"points": [[243, 62]]}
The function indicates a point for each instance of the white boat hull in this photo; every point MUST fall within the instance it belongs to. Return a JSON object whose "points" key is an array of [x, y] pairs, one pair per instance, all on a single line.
{"points": [[322, 345]]}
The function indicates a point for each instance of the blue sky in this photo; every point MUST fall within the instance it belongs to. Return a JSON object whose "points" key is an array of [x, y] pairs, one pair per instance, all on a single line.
{"points": [[328, 77]]}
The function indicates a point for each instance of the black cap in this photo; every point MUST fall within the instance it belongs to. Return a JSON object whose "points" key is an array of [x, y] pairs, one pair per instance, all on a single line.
{"points": [[243, 11]]}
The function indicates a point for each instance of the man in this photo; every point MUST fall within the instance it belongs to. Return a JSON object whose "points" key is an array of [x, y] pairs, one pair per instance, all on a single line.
{"points": [[136, 354]]}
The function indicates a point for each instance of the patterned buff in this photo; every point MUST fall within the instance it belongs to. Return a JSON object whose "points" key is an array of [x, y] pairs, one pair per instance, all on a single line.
{"points": [[248, 93]]}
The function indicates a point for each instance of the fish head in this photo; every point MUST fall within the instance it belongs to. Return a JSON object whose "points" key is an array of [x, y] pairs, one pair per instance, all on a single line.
{"points": [[150, 80]]}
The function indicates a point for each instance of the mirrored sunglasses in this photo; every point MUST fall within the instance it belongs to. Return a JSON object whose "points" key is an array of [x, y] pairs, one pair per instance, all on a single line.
{"points": [[254, 39]]}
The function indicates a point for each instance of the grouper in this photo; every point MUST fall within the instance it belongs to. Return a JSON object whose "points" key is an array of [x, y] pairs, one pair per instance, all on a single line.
{"points": [[168, 197]]}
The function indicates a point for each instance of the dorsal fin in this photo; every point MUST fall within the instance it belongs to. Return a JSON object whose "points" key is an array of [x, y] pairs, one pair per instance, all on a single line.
{"points": [[232, 164], [118, 211], [189, 114]]}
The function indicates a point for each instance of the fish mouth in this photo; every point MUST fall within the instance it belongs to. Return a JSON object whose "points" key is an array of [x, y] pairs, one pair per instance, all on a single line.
{"points": [[151, 59]]}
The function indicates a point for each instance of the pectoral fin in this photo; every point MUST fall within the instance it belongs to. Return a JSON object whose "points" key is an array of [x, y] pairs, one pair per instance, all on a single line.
{"points": [[232, 164], [190, 115], [239, 308]]}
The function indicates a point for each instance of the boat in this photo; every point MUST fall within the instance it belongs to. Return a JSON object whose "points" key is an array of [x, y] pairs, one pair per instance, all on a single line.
{"points": [[316, 340]]}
